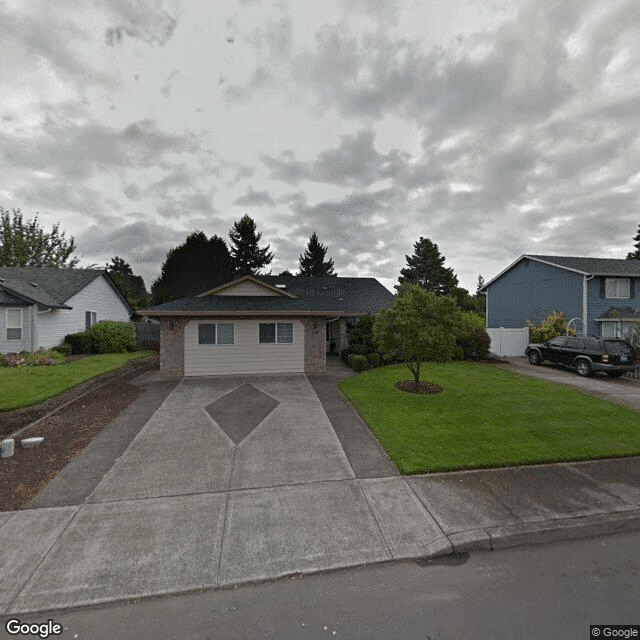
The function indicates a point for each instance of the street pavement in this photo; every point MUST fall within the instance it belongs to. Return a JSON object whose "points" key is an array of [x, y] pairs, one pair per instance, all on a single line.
{"points": [[234, 480]]}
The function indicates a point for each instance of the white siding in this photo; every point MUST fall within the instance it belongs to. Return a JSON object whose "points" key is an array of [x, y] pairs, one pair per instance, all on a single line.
{"points": [[97, 296], [246, 355], [247, 288], [15, 346]]}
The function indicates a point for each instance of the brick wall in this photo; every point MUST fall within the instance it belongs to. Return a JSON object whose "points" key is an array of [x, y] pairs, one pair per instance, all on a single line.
{"points": [[343, 342], [315, 345], [172, 346]]}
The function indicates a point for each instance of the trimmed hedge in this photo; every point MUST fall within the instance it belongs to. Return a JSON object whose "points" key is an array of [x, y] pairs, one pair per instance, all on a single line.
{"points": [[373, 359], [104, 337], [359, 363], [80, 342]]}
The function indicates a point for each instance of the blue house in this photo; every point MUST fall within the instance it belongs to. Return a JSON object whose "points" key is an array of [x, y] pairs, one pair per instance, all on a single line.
{"points": [[599, 296]]}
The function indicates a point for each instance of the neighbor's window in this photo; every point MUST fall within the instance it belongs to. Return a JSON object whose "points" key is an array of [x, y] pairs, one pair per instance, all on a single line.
{"points": [[221, 333], [14, 324], [89, 319], [617, 288], [276, 332]]}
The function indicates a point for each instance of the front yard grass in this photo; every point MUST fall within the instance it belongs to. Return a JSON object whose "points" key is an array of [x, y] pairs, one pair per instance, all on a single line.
{"points": [[24, 386], [487, 416]]}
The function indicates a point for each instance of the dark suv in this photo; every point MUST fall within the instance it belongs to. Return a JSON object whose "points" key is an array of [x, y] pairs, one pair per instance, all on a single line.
{"points": [[586, 355]]}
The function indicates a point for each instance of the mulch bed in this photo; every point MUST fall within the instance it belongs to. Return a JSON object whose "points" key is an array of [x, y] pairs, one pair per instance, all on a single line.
{"points": [[411, 386], [67, 432]]}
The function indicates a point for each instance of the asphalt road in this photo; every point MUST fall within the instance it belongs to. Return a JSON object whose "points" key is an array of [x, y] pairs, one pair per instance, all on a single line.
{"points": [[547, 591]]}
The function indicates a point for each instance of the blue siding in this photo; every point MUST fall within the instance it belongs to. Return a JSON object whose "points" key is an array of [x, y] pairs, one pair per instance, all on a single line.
{"points": [[597, 306], [531, 293]]}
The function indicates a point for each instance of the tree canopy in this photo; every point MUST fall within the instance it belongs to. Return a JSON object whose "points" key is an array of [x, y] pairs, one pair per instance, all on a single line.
{"points": [[247, 255], [312, 261], [198, 264], [130, 285], [635, 255], [419, 326], [426, 269], [23, 243]]}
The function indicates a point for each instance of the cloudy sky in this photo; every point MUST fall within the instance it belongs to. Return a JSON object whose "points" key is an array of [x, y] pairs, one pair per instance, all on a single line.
{"points": [[492, 127]]}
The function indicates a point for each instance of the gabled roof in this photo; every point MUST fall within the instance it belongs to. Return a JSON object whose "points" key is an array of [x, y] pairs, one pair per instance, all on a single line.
{"points": [[585, 266], [331, 296], [49, 286], [219, 290]]}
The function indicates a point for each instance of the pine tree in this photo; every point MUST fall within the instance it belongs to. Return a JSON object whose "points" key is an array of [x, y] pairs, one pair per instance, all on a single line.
{"points": [[426, 269], [23, 243], [312, 262], [635, 255], [199, 264], [248, 257], [130, 285]]}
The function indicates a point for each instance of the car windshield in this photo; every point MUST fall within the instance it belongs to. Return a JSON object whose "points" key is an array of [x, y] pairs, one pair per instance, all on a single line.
{"points": [[617, 347]]}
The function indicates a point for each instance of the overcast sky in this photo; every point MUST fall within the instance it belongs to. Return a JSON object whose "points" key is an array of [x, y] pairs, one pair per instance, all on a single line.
{"points": [[492, 127]]}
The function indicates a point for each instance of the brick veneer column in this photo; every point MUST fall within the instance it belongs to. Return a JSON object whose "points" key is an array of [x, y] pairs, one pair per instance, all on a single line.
{"points": [[315, 345], [172, 346], [343, 343]]}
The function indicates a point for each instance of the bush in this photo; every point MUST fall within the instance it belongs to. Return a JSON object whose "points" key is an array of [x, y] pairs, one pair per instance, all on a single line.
{"points": [[389, 357], [350, 358], [79, 342], [373, 359], [555, 324], [40, 357], [64, 349], [361, 338], [344, 354], [112, 337], [359, 363]]}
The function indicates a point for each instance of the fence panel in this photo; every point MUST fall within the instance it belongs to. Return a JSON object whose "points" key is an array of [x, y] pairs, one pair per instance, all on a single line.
{"points": [[508, 342], [147, 335]]}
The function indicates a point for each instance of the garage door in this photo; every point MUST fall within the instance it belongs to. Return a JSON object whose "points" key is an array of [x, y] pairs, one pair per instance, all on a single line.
{"points": [[220, 346]]}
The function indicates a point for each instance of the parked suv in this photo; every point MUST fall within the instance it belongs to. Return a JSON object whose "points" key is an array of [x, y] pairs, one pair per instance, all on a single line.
{"points": [[586, 355]]}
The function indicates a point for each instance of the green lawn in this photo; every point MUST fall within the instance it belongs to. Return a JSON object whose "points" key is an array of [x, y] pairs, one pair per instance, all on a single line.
{"points": [[487, 416], [24, 386]]}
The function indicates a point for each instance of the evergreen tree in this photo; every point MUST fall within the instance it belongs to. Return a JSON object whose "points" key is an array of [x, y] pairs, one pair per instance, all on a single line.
{"points": [[130, 285], [426, 269], [248, 257], [312, 262], [195, 266], [24, 244], [635, 255]]}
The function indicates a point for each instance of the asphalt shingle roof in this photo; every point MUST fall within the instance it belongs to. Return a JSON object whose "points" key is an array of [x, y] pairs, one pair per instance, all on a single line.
{"points": [[594, 266]]}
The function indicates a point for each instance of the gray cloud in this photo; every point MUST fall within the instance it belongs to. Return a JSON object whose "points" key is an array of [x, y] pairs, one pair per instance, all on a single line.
{"points": [[143, 20], [254, 198]]}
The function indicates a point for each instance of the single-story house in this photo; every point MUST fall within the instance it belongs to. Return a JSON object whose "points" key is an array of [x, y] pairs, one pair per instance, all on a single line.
{"points": [[263, 324], [39, 306], [599, 296]]}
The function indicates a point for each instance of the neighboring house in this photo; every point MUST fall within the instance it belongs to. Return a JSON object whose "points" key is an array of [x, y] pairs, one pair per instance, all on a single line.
{"points": [[263, 324], [39, 306], [599, 296]]}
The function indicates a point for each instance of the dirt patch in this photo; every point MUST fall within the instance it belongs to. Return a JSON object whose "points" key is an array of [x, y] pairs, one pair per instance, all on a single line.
{"points": [[411, 386], [67, 432]]}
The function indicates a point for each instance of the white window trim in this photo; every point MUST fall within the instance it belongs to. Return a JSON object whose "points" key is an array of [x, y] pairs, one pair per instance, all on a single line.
{"points": [[93, 319], [275, 342], [6, 324], [617, 281], [216, 343]]}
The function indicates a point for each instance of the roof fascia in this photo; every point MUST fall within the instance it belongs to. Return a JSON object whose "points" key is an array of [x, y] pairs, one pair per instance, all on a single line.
{"points": [[329, 314], [232, 283], [559, 266]]}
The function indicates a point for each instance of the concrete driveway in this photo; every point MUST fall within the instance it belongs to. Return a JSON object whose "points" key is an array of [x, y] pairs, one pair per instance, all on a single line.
{"points": [[234, 480]]}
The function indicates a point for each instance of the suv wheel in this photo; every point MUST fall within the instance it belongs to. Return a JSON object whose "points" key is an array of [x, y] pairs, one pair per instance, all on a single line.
{"points": [[583, 367], [534, 357]]}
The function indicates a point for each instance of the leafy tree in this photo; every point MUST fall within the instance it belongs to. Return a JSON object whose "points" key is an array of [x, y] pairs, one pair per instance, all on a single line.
{"points": [[426, 269], [312, 262], [635, 255], [419, 326], [130, 285], [23, 243], [200, 263], [248, 257], [361, 338]]}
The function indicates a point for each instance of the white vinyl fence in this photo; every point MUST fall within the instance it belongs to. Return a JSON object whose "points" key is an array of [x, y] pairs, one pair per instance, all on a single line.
{"points": [[508, 342]]}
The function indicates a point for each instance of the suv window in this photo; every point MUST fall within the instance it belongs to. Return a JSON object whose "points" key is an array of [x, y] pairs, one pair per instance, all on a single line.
{"points": [[557, 342], [575, 343], [611, 346]]}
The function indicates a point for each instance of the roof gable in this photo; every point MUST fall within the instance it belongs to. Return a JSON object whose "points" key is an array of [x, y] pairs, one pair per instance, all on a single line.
{"points": [[246, 286]]}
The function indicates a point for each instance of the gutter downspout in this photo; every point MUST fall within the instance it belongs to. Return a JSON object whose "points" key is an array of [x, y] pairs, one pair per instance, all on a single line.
{"points": [[585, 279]]}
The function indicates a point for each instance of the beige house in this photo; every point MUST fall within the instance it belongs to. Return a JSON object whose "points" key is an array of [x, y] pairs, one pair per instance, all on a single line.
{"points": [[265, 324]]}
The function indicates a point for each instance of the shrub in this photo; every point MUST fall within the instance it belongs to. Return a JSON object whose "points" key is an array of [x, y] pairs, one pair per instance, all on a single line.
{"points": [[555, 324], [350, 358], [63, 349], [40, 357], [361, 338], [373, 359], [79, 342], [112, 337], [344, 354], [359, 363]]}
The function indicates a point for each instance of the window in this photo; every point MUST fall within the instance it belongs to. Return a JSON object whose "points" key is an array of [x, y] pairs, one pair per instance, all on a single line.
{"points": [[617, 288], [221, 333], [89, 319], [14, 324], [272, 332], [557, 342]]}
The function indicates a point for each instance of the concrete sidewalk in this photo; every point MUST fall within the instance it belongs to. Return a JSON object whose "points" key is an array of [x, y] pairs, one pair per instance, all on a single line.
{"points": [[236, 480]]}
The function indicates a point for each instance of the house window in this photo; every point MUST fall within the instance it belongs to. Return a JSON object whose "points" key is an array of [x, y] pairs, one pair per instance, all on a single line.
{"points": [[617, 288], [608, 330], [14, 324], [221, 333], [89, 319], [276, 332]]}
